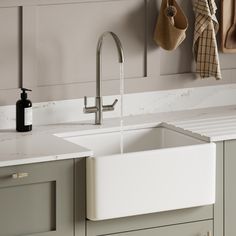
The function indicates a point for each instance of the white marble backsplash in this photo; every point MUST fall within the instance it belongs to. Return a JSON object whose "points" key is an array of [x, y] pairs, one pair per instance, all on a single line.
{"points": [[134, 104]]}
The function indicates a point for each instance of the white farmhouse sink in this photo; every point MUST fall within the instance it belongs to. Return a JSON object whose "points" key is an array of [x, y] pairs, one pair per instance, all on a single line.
{"points": [[160, 170]]}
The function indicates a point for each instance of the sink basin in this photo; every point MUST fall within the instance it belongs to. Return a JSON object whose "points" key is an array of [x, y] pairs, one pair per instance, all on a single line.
{"points": [[160, 170]]}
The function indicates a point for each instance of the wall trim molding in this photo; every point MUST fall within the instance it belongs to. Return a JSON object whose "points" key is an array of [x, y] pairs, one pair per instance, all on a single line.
{"points": [[152, 80]]}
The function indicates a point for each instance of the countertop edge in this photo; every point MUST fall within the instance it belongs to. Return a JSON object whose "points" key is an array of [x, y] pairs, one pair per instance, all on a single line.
{"points": [[45, 159]]}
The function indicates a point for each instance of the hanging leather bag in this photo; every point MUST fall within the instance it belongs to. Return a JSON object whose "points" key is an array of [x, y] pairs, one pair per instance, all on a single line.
{"points": [[171, 26]]}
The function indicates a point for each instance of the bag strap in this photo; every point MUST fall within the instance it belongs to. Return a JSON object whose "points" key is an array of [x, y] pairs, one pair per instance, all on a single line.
{"points": [[170, 2]]}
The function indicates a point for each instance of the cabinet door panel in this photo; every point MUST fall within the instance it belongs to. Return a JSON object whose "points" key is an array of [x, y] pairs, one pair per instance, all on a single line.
{"points": [[22, 206], [37, 199], [203, 228]]}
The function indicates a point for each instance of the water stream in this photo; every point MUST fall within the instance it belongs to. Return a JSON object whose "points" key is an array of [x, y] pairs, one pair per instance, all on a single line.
{"points": [[121, 108]]}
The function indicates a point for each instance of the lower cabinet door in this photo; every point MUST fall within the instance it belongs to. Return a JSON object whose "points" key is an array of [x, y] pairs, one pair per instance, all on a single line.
{"points": [[202, 228], [37, 199]]}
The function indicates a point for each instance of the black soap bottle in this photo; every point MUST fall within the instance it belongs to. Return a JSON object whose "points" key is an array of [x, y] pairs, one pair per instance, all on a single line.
{"points": [[24, 113]]}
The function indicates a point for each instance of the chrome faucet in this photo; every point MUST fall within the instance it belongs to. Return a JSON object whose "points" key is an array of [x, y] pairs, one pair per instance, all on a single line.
{"points": [[99, 108]]}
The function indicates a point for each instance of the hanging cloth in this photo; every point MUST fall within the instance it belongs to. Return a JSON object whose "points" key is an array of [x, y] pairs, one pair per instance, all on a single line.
{"points": [[204, 44]]}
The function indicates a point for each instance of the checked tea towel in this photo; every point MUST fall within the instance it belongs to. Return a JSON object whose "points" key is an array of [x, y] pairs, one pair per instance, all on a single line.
{"points": [[204, 44]]}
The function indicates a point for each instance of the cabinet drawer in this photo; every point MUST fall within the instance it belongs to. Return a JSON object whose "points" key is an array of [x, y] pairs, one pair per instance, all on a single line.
{"points": [[37, 199], [150, 220], [203, 228]]}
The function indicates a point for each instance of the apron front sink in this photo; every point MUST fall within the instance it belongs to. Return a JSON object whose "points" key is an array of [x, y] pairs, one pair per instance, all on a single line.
{"points": [[160, 170]]}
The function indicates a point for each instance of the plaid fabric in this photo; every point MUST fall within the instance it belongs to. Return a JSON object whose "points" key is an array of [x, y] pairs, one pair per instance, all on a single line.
{"points": [[204, 44]]}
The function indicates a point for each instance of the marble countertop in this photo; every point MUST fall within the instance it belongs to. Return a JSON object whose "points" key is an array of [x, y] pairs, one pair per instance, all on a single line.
{"points": [[40, 145], [33, 148]]}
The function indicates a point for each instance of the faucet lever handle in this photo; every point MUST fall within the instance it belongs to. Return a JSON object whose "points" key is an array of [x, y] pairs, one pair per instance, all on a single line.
{"points": [[114, 103], [110, 107], [85, 101], [92, 109]]}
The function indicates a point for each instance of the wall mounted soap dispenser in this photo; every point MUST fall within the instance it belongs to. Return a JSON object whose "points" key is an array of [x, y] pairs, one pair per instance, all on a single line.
{"points": [[24, 113]]}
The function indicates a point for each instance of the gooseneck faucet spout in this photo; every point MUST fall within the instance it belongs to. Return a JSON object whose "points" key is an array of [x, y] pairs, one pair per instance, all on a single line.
{"points": [[99, 107], [99, 56]]}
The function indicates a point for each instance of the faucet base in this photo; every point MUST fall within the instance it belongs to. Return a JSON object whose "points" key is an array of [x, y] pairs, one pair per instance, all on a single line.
{"points": [[98, 113]]}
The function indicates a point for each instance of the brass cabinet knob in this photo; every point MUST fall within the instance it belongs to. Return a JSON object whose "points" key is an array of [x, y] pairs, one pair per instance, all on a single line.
{"points": [[209, 233], [20, 175]]}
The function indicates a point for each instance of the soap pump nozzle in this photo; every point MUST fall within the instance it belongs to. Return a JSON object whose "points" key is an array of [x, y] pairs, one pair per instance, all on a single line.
{"points": [[24, 94]]}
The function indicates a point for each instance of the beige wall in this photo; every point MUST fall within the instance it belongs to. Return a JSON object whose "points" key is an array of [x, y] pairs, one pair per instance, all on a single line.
{"points": [[50, 45]]}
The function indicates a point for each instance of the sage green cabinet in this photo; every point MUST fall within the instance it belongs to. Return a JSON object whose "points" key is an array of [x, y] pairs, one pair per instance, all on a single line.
{"points": [[49, 199], [219, 204], [230, 188], [80, 197], [202, 228], [37, 199], [225, 207], [133, 223]]}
